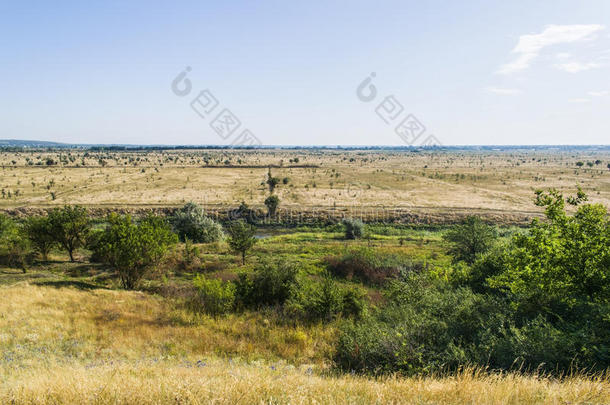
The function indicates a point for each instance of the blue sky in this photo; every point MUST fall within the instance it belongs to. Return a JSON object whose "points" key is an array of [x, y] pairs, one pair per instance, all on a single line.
{"points": [[471, 72]]}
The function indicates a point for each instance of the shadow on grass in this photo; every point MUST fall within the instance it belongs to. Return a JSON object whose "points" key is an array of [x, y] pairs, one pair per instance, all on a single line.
{"points": [[81, 285]]}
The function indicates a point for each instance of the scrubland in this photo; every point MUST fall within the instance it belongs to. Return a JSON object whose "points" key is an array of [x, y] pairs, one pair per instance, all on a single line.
{"points": [[446, 180], [327, 311]]}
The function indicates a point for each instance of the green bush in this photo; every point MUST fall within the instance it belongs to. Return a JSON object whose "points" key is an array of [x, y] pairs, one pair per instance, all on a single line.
{"points": [[190, 222], [241, 238], [134, 248], [354, 228], [272, 202], [539, 303], [425, 327], [368, 266], [354, 302], [214, 297], [15, 248], [563, 261], [269, 284], [485, 267], [190, 256], [470, 239], [324, 300]]}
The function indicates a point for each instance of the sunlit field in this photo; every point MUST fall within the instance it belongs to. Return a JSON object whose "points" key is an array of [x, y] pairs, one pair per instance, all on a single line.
{"points": [[445, 182]]}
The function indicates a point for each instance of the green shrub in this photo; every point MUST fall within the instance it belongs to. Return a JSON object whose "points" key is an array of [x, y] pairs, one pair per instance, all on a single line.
{"points": [[190, 222], [485, 267], [134, 248], [324, 300], [426, 326], [190, 256], [470, 239], [354, 302], [269, 284], [15, 248], [241, 238], [272, 202], [354, 228], [368, 266], [563, 261], [92, 243], [214, 297]]}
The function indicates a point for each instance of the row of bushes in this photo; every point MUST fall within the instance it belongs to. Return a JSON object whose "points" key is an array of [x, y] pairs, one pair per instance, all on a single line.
{"points": [[132, 247], [280, 284], [69, 228]]}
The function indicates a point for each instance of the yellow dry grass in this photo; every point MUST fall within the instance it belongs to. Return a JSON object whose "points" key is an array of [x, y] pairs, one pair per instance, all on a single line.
{"points": [[220, 382], [44, 324], [68, 346], [485, 180]]}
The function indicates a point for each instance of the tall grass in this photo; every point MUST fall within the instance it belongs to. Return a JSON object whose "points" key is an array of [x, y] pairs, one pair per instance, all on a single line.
{"points": [[68, 346], [223, 382]]}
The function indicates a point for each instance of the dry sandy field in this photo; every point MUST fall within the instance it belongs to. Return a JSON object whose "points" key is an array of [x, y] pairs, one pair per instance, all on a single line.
{"points": [[498, 181]]}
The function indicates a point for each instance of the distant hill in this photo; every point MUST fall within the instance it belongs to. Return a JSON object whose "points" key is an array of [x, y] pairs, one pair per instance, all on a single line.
{"points": [[20, 143]]}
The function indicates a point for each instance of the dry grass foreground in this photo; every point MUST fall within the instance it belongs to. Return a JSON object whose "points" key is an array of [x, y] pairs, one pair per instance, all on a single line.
{"points": [[63, 345], [224, 383]]}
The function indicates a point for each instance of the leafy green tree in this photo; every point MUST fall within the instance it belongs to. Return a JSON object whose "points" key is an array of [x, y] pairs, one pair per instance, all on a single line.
{"points": [[471, 238], [134, 248], [564, 259], [69, 226], [272, 202], [38, 231], [241, 238], [191, 222]]}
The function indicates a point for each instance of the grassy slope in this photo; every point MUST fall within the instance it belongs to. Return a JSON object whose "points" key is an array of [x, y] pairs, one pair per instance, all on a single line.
{"points": [[67, 336], [99, 346]]}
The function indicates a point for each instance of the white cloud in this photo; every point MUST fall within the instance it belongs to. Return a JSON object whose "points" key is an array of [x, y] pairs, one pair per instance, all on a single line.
{"points": [[563, 55], [529, 46], [575, 67], [579, 100], [503, 91], [601, 93]]}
